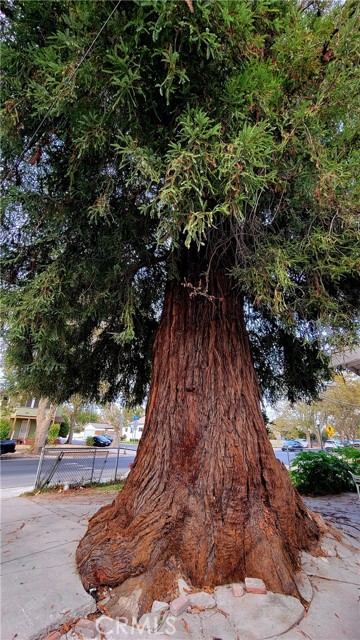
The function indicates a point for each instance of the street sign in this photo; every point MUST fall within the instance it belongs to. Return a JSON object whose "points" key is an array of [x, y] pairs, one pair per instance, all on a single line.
{"points": [[330, 430]]}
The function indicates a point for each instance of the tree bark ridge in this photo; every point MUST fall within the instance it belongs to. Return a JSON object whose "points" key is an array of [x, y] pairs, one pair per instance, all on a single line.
{"points": [[206, 489]]}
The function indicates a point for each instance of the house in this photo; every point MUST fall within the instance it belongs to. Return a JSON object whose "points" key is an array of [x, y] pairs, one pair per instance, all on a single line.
{"points": [[98, 429], [134, 430], [23, 421], [349, 359]]}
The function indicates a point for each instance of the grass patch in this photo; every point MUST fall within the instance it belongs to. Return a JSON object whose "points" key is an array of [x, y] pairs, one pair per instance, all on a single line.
{"points": [[97, 487], [108, 486]]}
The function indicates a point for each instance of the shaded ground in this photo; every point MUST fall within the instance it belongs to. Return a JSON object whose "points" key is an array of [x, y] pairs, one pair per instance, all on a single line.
{"points": [[41, 588]]}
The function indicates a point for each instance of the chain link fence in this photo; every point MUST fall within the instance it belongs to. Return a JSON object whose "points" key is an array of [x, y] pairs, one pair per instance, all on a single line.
{"points": [[81, 466]]}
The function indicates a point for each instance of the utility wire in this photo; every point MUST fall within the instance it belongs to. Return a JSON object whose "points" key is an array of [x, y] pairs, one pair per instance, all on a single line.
{"points": [[344, 404], [28, 146]]}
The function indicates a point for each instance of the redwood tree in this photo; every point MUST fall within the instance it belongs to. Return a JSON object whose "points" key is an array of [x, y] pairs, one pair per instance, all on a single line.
{"points": [[201, 160]]}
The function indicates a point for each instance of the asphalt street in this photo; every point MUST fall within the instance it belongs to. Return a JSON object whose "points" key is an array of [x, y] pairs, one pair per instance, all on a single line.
{"points": [[21, 472]]}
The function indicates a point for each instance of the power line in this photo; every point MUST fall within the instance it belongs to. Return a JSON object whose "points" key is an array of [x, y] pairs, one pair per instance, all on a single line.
{"points": [[345, 404], [28, 146]]}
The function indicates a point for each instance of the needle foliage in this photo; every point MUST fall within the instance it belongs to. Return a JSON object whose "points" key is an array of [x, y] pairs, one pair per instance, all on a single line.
{"points": [[228, 126]]}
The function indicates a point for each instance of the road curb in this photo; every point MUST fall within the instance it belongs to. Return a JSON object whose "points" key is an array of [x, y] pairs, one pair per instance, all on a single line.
{"points": [[14, 492]]}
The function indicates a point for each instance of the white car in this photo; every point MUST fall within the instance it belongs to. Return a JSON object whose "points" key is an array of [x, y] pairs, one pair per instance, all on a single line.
{"points": [[332, 444], [304, 442]]}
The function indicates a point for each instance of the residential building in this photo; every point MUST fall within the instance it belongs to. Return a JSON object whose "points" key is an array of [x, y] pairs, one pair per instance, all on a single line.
{"points": [[23, 421]]}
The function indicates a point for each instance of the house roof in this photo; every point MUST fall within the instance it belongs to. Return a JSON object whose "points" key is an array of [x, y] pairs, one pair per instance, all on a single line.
{"points": [[349, 359], [98, 425], [28, 412]]}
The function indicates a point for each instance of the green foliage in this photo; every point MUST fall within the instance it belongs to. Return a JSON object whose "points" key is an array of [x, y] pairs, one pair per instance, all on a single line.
{"points": [[352, 457], [5, 429], [64, 428], [85, 416], [53, 433], [350, 453], [320, 473], [230, 130], [89, 441]]}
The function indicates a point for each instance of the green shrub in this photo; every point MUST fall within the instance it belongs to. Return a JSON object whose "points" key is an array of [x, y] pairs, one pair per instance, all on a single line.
{"points": [[89, 441], [53, 433], [320, 473], [5, 428], [351, 456], [64, 428]]}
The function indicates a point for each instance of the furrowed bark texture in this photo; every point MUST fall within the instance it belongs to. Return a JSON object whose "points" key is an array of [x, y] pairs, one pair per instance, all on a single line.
{"points": [[206, 492], [44, 418]]}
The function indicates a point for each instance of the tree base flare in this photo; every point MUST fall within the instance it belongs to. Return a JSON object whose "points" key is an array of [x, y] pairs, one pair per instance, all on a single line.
{"points": [[142, 557], [206, 492]]}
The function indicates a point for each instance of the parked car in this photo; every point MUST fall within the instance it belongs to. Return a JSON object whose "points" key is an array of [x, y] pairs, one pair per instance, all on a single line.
{"points": [[7, 446], [303, 442], [108, 437], [101, 441], [332, 444], [292, 445], [356, 443]]}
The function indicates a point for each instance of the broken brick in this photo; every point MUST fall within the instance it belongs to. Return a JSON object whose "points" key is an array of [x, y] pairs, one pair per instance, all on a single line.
{"points": [[86, 627], [255, 585], [179, 605]]}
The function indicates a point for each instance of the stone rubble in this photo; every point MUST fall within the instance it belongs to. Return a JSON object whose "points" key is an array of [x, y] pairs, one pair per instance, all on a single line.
{"points": [[179, 605], [255, 585], [159, 607], [238, 590], [247, 611], [202, 599]]}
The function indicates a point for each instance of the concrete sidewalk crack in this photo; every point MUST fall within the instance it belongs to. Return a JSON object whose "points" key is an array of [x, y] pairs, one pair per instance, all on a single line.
{"points": [[34, 553]]}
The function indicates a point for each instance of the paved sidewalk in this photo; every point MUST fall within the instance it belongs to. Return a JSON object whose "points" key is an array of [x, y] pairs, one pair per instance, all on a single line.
{"points": [[41, 588], [39, 583]]}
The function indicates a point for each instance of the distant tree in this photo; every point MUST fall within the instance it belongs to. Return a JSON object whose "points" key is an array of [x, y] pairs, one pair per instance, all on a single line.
{"points": [[199, 163], [87, 415], [300, 417], [64, 428], [5, 428], [114, 415], [340, 406], [75, 411], [44, 418]]}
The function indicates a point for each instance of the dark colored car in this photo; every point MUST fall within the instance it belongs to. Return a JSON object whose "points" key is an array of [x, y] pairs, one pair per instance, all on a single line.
{"points": [[7, 446], [101, 441], [108, 437], [292, 445]]}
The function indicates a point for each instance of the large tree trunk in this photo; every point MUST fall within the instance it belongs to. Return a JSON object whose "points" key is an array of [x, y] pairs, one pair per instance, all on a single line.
{"points": [[44, 417], [72, 421], [206, 495]]}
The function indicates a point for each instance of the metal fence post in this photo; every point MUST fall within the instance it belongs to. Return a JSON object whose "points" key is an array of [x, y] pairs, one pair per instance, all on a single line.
{"points": [[288, 456], [117, 461], [39, 467], [93, 465]]}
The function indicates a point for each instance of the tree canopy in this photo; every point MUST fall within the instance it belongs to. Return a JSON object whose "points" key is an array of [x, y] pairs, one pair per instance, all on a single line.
{"points": [[338, 406], [135, 131]]}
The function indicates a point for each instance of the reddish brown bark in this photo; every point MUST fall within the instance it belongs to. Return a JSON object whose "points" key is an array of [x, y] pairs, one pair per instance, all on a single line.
{"points": [[206, 490]]}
